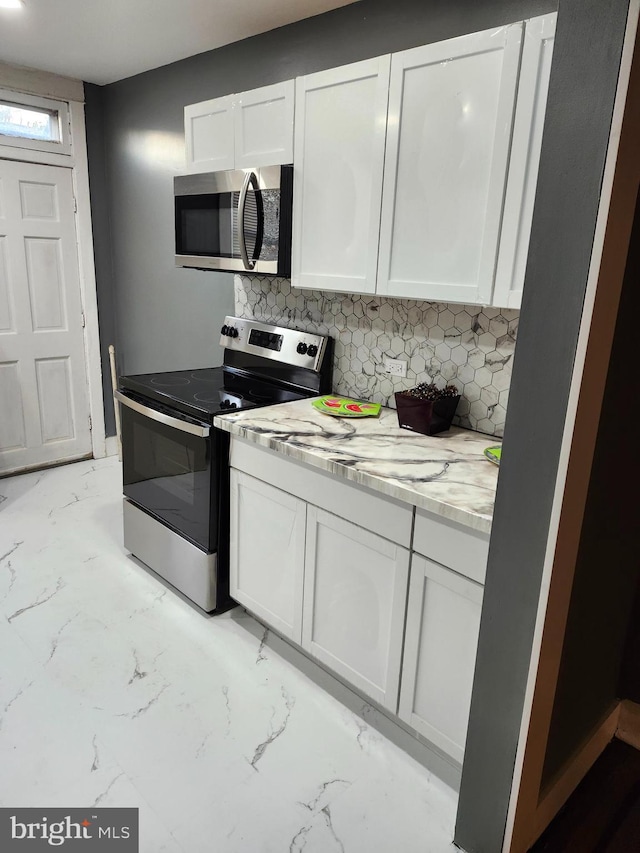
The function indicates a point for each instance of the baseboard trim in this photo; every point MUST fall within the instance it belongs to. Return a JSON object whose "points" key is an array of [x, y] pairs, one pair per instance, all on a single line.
{"points": [[43, 466], [111, 445], [406, 739], [629, 723], [574, 772]]}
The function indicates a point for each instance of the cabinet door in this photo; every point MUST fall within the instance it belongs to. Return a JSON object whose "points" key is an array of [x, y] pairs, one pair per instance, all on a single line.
{"points": [[449, 128], [263, 123], [354, 603], [208, 135], [339, 156], [267, 553], [525, 158], [443, 620]]}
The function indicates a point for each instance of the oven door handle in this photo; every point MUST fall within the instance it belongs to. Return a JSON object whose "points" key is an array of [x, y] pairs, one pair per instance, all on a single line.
{"points": [[167, 420]]}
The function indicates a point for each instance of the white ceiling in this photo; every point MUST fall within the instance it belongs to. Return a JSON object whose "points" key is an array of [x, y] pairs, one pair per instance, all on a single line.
{"points": [[102, 41]]}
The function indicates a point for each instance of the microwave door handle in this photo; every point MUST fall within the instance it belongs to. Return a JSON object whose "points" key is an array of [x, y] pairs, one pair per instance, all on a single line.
{"points": [[248, 265], [167, 420]]}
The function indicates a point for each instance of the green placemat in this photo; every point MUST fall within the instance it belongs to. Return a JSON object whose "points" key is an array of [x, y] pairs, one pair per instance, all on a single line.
{"points": [[343, 407], [494, 453]]}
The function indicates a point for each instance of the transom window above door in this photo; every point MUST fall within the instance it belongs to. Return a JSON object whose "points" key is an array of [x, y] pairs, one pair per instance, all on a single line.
{"points": [[27, 121]]}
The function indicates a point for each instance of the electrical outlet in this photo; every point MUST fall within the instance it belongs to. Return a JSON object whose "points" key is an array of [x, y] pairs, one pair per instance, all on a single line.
{"points": [[395, 367]]}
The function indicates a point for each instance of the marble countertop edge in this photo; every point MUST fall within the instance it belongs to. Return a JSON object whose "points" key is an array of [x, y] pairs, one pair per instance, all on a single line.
{"points": [[321, 459]]}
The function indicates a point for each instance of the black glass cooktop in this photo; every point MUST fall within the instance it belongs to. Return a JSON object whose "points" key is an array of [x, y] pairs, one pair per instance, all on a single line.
{"points": [[206, 392]]}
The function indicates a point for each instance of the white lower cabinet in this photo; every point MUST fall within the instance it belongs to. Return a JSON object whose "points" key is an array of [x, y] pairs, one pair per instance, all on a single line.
{"points": [[443, 620], [325, 580], [355, 588], [342, 597], [267, 553]]}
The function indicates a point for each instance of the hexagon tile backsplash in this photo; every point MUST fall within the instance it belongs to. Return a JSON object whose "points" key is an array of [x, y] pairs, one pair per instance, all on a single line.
{"points": [[467, 345]]}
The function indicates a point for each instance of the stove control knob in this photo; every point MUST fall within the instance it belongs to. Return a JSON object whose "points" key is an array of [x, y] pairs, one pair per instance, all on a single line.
{"points": [[224, 330], [234, 405], [312, 351], [233, 331], [301, 348], [225, 404]]}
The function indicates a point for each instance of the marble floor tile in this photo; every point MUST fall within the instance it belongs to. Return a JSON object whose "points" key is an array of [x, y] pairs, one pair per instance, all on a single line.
{"points": [[115, 691]]}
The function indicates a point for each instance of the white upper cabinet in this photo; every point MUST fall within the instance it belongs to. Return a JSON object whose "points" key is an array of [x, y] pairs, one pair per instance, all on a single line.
{"points": [[414, 173], [263, 123], [340, 129], [448, 134], [240, 131], [208, 135], [525, 158]]}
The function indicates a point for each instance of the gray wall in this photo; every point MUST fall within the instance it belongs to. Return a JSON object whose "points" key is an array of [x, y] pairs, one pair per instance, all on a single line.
{"points": [[581, 95], [167, 318], [94, 116]]}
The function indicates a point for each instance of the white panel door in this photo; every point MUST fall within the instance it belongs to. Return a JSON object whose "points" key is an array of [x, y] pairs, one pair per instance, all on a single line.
{"points": [[525, 159], [354, 600], [443, 620], [449, 127], [338, 163], [208, 135], [44, 406], [267, 553], [263, 125]]}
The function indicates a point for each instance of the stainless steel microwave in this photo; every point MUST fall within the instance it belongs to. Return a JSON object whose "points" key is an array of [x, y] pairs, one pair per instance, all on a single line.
{"points": [[235, 220]]}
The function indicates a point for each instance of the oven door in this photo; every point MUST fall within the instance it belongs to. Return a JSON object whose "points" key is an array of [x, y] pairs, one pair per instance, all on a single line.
{"points": [[171, 468]]}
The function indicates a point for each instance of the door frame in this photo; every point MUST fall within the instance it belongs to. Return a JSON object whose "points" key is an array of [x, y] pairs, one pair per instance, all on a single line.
{"points": [[70, 92], [529, 813]]}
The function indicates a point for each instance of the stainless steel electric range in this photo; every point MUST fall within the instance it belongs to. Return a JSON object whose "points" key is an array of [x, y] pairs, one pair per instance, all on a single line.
{"points": [[175, 462]]}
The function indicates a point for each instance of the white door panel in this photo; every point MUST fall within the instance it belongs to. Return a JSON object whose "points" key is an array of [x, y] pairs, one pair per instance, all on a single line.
{"points": [[6, 302], [11, 407], [44, 409]]}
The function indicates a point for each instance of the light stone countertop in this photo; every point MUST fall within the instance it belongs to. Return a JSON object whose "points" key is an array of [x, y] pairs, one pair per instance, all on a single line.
{"points": [[446, 474]]}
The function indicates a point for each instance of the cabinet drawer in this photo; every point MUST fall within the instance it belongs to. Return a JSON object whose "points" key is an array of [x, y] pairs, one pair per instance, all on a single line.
{"points": [[389, 518], [461, 549]]}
